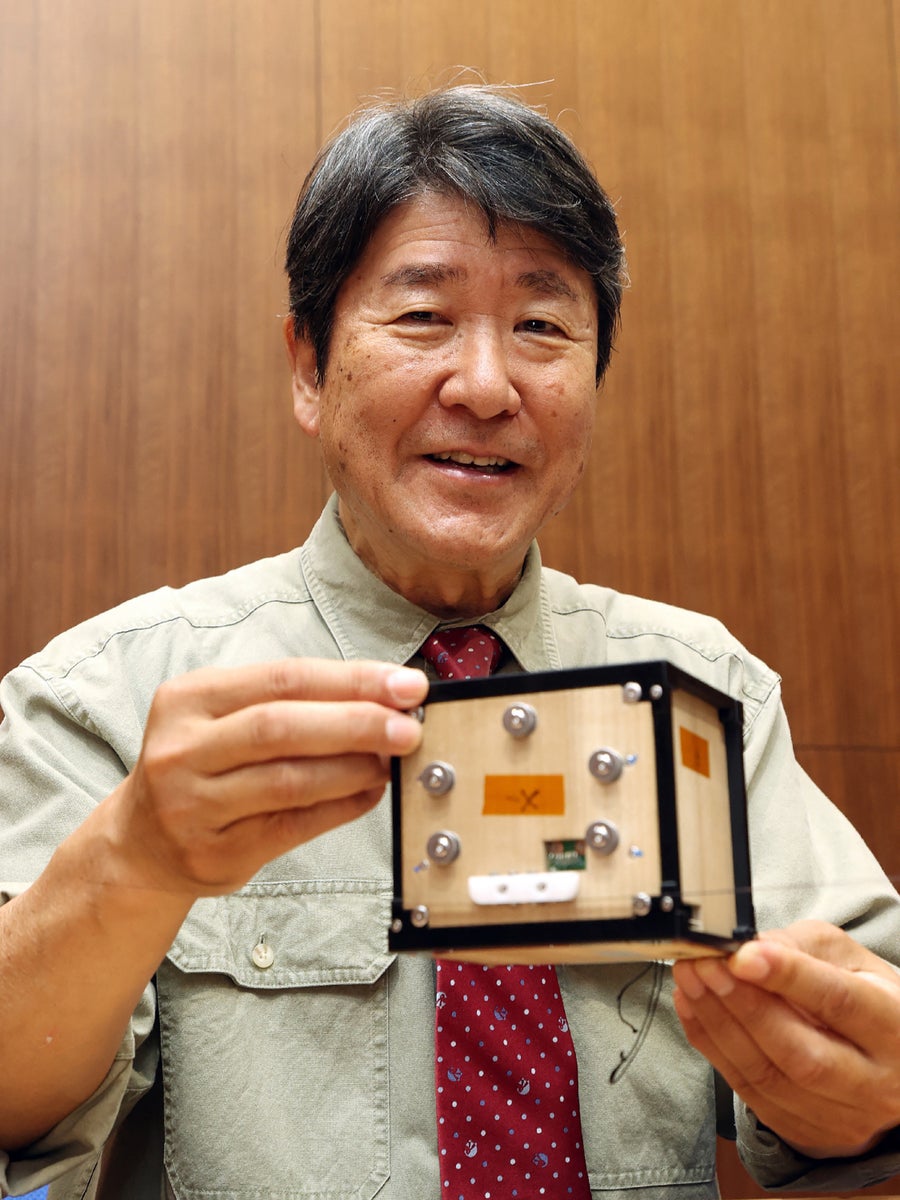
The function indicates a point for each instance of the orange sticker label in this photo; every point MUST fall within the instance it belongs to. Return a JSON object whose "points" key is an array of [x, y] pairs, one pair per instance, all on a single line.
{"points": [[524, 796], [694, 751]]}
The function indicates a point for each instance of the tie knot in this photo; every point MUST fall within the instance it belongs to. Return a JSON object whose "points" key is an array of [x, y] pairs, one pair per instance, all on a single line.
{"points": [[469, 652]]}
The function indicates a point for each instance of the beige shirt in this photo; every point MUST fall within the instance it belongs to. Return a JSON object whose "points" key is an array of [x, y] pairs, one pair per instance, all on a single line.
{"points": [[313, 1078]]}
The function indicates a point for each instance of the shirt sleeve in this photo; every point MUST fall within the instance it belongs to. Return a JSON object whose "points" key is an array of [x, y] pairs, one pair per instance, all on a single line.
{"points": [[54, 768], [778, 1167], [809, 862]]}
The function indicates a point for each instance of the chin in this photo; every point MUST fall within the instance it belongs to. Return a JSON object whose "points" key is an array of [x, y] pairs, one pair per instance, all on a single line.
{"points": [[484, 554], [469, 532]]}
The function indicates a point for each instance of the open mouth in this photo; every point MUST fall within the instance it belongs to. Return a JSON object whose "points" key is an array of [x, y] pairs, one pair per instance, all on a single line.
{"points": [[489, 464]]}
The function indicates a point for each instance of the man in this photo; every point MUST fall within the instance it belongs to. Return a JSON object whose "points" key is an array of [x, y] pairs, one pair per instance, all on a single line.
{"points": [[193, 782]]}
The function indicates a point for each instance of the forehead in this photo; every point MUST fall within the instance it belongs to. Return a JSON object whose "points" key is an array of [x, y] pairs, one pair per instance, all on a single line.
{"points": [[435, 238]]}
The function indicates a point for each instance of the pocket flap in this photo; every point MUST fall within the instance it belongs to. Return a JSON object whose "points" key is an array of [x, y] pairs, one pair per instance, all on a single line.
{"points": [[313, 933]]}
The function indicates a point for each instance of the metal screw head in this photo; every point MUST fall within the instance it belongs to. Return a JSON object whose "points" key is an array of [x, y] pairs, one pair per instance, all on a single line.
{"points": [[641, 905], [602, 836], [443, 847], [667, 904], [631, 692], [420, 916], [437, 778], [396, 925], [656, 691], [606, 765], [519, 720]]}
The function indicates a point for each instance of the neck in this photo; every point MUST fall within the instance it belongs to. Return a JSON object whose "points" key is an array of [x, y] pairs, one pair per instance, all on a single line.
{"points": [[464, 602], [450, 595], [442, 588]]}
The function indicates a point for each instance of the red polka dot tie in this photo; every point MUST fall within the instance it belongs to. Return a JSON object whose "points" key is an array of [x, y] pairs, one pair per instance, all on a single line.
{"points": [[467, 653], [506, 1079]]}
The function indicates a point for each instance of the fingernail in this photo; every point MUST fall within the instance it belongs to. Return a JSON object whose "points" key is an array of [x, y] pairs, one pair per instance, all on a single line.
{"points": [[691, 984], [403, 732], [716, 977], [407, 686], [752, 963], [683, 1006]]}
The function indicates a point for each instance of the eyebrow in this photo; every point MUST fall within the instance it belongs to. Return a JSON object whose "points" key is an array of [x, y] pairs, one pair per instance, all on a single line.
{"points": [[546, 283], [543, 282], [423, 273]]}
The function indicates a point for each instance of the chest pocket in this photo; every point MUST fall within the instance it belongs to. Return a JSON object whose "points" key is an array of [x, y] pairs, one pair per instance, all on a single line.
{"points": [[273, 1010]]}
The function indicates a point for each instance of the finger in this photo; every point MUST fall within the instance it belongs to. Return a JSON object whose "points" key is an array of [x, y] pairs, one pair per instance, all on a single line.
{"points": [[831, 944], [769, 1038], [225, 861], [840, 1125], [794, 1099], [294, 784], [218, 691], [823, 941], [274, 833], [854, 1003], [291, 729], [283, 729]]}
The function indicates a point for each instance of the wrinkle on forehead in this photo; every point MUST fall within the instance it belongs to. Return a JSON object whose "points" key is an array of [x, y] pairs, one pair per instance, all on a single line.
{"points": [[543, 282]]}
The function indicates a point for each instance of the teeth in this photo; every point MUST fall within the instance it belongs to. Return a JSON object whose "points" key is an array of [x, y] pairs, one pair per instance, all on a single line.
{"points": [[469, 460]]}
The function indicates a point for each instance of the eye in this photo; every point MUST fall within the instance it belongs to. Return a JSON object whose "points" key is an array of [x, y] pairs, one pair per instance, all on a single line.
{"points": [[420, 316], [540, 325]]}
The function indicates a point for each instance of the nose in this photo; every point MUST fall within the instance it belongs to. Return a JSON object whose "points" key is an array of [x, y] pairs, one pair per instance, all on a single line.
{"points": [[479, 377]]}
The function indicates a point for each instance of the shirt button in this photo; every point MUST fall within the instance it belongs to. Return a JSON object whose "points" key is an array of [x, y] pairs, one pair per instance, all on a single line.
{"points": [[262, 954]]}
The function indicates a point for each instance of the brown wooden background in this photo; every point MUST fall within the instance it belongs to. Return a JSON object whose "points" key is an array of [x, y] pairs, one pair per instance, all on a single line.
{"points": [[746, 456]]}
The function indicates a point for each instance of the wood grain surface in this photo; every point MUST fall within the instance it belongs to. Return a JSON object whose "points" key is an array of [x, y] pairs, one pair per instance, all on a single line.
{"points": [[745, 458]]}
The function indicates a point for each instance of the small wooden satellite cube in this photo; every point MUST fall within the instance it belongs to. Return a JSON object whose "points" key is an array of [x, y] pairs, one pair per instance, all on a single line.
{"points": [[587, 815]]}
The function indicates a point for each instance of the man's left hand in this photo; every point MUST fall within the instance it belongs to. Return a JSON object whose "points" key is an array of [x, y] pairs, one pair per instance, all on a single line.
{"points": [[804, 1024]]}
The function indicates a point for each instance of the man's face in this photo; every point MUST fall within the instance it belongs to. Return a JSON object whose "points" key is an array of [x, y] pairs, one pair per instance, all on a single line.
{"points": [[457, 407]]}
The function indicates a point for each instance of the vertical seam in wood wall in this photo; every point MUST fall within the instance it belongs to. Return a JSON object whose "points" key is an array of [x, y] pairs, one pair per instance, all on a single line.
{"points": [[891, 6], [317, 71]]}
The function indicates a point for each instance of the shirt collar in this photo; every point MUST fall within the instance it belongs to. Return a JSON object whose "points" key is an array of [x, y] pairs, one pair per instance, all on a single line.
{"points": [[368, 619]]}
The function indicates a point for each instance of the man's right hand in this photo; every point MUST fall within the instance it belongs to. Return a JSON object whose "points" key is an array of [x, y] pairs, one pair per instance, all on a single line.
{"points": [[240, 765], [237, 767]]}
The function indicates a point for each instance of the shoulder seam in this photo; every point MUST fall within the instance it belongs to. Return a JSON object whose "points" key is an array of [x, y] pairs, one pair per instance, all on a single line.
{"points": [[33, 662]]}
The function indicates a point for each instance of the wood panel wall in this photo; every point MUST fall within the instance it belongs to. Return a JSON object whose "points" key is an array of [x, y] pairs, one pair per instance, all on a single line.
{"points": [[746, 454]]}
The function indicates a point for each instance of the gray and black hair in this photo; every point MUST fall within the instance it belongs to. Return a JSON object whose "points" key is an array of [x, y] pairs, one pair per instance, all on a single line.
{"points": [[476, 142]]}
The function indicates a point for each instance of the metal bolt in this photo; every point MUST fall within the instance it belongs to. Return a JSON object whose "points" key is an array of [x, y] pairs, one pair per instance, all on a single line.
{"points": [[631, 692], [656, 691], [667, 904], [396, 925], [420, 916], [602, 836], [606, 765], [438, 778], [443, 847], [641, 905], [519, 720]]}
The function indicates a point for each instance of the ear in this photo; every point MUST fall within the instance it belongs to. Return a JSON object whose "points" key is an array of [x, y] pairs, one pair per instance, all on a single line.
{"points": [[304, 387]]}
